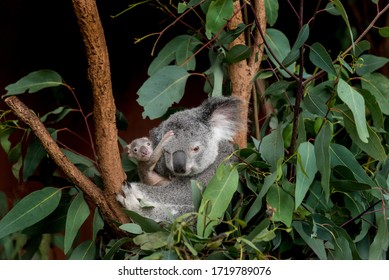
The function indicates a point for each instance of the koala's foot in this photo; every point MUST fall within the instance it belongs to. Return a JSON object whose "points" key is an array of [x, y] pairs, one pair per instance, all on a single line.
{"points": [[129, 200]]}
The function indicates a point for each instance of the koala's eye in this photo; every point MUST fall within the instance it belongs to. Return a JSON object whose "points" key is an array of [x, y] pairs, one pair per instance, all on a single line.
{"points": [[148, 144], [135, 150], [196, 149]]}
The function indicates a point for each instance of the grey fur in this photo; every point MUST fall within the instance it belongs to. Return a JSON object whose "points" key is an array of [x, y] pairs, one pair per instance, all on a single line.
{"points": [[200, 143]]}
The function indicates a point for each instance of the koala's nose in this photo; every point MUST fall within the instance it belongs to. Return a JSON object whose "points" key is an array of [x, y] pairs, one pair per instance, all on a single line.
{"points": [[179, 162]]}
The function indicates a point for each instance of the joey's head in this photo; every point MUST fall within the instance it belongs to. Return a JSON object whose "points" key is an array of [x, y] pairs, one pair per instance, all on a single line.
{"points": [[197, 135], [140, 149]]}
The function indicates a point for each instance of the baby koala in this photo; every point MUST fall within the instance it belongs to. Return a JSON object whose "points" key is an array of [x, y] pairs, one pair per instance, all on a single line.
{"points": [[142, 150]]}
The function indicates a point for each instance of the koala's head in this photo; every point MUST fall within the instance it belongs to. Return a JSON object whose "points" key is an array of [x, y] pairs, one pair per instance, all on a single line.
{"points": [[197, 135], [140, 149]]}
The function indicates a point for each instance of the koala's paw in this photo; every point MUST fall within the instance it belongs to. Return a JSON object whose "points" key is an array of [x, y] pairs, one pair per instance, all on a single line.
{"points": [[129, 199]]}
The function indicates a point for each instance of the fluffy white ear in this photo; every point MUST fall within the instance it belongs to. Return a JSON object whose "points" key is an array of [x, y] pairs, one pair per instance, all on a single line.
{"points": [[224, 118]]}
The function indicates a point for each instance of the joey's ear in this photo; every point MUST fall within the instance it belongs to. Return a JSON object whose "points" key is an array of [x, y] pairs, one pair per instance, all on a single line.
{"points": [[223, 117]]}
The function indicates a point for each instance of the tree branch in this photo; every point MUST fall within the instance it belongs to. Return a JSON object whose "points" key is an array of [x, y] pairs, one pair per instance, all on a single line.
{"points": [[111, 213]]}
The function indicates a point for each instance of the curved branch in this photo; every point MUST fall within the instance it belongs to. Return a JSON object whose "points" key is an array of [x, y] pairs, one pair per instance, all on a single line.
{"points": [[111, 213]]}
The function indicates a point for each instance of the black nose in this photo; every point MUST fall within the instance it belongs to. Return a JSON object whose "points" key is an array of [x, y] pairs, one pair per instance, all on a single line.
{"points": [[179, 162]]}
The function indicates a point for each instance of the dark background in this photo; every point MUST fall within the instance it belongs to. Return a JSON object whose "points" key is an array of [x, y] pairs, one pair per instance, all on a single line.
{"points": [[44, 34]]}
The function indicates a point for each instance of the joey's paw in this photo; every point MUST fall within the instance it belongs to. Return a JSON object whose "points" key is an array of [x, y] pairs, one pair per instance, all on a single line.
{"points": [[170, 133]]}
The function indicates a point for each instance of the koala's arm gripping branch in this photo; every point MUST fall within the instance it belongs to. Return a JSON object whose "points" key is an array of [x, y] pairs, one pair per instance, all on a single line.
{"points": [[111, 213]]}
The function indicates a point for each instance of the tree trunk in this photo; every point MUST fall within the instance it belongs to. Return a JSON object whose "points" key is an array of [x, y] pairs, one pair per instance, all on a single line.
{"points": [[243, 72], [104, 110]]}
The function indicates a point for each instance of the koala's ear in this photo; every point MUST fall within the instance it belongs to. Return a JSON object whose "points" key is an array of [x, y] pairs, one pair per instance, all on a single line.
{"points": [[223, 117]]}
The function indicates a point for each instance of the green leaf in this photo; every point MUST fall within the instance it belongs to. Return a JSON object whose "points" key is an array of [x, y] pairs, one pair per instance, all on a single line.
{"points": [[306, 170], [356, 103], [184, 56], [229, 36], [384, 31], [83, 163], [316, 98], [272, 148], [60, 113], [77, 214], [295, 51], [379, 246], [237, 53], [216, 198], [168, 53], [148, 225], [84, 251], [373, 147], [115, 247], [342, 11], [341, 156], [34, 82], [281, 204], [161, 90], [361, 47], [320, 58], [30, 210], [370, 64], [378, 85], [271, 8], [323, 160], [131, 228], [215, 74], [219, 11], [315, 244], [152, 241], [98, 223], [280, 46]]}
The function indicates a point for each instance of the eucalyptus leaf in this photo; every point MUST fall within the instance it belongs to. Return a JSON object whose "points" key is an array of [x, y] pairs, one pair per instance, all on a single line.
{"points": [[339, 6], [323, 157], [84, 251], [179, 47], [378, 84], [294, 53], [320, 58], [340, 155], [271, 8], [370, 63], [237, 53], [216, 198], [279, 44], [281, 205], [306, 170], [379, 246], [30, 210], [161, 90], [219, 11], [384, 31], [315, 244], [373, 147], [77, 214], [34, 82], [152, 241], [354, 100], [272, 148], [131, 228]]}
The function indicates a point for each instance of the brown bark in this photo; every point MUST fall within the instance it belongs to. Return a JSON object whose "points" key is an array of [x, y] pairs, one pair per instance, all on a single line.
{"points": [[243, 72], [110, 213], [104, 110]]}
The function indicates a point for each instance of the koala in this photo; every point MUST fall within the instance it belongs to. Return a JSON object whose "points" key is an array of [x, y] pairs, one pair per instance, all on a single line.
{"points": [[202, 140], [142, 150]]}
